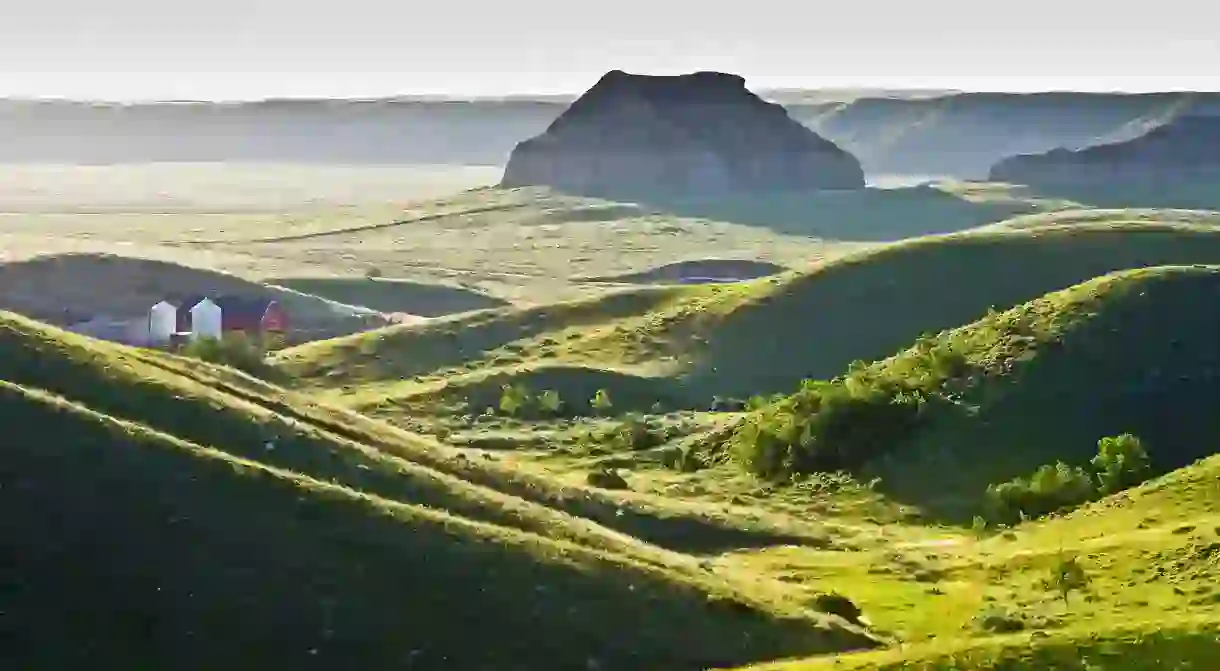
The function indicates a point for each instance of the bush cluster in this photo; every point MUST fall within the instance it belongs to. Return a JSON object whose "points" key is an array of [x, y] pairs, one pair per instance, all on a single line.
{"points": [[1121, 462], [518, 401], [235, 350], [843, 423]]}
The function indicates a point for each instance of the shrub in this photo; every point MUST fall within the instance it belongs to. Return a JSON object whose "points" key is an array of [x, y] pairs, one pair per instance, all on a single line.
{"points": [[601, 402], [829, 426], [634, 433], [978, 526], [997, 620], [550, 402], [236, 350], [841, 424], [1121, 462], [1049, 489]]}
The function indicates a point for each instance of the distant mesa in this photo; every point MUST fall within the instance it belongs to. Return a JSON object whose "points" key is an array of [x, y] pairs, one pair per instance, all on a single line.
{"points": [[1184, 148], [696, 134]]}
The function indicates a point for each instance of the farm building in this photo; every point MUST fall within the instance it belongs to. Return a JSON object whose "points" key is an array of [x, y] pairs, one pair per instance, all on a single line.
{"points": [[250, 315]]}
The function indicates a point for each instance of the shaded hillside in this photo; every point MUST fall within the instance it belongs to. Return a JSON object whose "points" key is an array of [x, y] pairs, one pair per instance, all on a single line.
{"points": [[1173, 165], [754, 337], [133, 548], [1127, 353]]}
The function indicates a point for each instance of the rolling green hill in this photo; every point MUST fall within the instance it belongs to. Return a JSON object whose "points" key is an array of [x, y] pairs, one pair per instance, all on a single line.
{"points": [[228, 523], [1130, 352], [217, 406], [688, 344]]}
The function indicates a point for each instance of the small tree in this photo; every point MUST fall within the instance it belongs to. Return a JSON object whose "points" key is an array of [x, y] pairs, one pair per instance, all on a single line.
{"points": [[601, 402], [1067, 576], [979, 526], [1121, 462], [550, 402]]}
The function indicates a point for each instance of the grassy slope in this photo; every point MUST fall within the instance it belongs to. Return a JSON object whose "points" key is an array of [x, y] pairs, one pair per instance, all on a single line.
{"points": [[760, 336], [213, 405], [1152, 555], [312, 544], [1127, 352]]}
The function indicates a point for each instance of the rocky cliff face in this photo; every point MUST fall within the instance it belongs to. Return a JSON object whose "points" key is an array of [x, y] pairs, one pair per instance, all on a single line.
{"points": [[1187, 148], [695, 134]]}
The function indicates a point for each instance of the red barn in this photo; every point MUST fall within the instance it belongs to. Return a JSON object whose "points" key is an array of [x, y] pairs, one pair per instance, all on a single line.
{"points": [[251, 315]]}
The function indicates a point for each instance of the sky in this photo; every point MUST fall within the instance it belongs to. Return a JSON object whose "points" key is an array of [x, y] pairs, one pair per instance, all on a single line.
{"points": [[252, 49]]}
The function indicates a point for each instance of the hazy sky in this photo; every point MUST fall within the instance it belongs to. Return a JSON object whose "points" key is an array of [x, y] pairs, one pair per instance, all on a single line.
{"points": [[241, 49]]}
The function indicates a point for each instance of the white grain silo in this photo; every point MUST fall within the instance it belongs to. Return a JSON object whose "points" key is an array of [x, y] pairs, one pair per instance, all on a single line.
{"points": [[162, 323], [206, 320]]}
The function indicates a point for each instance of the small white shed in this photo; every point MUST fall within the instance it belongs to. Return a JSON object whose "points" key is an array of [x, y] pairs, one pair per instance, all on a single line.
{"points": [[162, 323], [206, 320]]}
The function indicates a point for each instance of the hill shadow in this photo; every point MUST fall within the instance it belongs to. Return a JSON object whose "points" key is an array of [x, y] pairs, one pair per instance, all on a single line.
{"points": [[393, 295], [867, 215], [695, 272], [65, 288], [576, 385]]}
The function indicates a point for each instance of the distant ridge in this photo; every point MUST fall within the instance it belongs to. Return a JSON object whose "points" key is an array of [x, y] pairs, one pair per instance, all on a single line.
{"points": [[957, 134]]}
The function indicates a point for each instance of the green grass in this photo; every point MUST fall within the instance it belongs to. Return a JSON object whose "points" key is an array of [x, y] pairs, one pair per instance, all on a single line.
{"points": [[1148, 646], [1152, 555], [156, 470], [762, 336], [390, 295]]}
